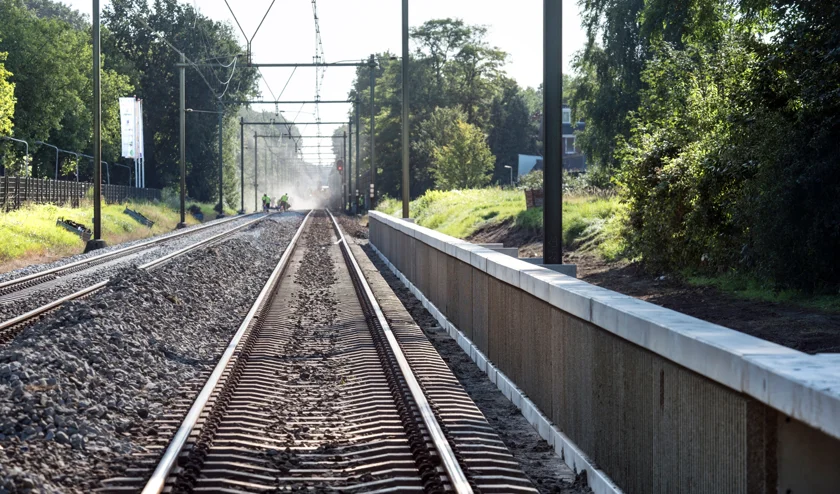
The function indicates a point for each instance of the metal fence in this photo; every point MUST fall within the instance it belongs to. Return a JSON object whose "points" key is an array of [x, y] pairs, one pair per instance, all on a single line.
{"points": [[16, 191]]}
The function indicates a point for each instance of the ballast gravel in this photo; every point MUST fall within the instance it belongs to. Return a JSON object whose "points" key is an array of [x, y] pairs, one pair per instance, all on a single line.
{"points": [[18, 304], [536, 457], [81, 389]]}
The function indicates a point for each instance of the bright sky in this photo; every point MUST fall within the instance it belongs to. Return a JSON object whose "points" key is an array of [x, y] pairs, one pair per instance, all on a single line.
{"points": [[353, 29]]}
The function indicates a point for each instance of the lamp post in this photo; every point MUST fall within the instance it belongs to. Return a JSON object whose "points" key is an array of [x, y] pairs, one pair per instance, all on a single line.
{"points": [[511, 174]]}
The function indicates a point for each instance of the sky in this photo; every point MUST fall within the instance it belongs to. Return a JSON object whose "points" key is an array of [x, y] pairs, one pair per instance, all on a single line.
{"points": [[353, 29]]}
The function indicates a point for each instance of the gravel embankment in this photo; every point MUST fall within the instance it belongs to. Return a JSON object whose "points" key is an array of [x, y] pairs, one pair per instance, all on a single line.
{"points": [[82, 389], [40, 295], [535, 456]]}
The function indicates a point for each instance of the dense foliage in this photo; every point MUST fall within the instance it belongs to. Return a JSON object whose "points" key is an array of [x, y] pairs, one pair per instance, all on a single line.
{"points": [[719, 121], [465, 162], [454, 74], [7, 98]]}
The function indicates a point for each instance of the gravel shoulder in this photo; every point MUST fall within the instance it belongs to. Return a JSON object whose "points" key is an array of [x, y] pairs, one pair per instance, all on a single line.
{"points": [[536, 457], [81, 390]]}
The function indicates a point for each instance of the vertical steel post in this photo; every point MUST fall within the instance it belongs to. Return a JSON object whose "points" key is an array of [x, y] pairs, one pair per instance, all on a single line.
{"points": [[553, 118], [183, 138], [241, 165], [344, 172], [350, 164], [358, 158], [372, 65], [405, 111], [256, 209], [96, 242], [221, 162]]}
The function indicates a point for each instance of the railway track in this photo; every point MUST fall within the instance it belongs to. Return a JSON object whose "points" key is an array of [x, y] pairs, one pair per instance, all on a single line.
{"points": [[11, 287], [318, 391], [11, 327]]}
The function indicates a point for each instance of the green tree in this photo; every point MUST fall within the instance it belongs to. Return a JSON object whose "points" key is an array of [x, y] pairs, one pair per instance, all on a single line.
{"points": [[455, 68], [140, 44], [47, 9], [512, 131], [621, 34], [438, 130], [680, 176], [466, 161], [7, 98]]}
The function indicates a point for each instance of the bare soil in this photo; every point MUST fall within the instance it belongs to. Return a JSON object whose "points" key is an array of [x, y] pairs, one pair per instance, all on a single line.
{"points": [[806, 330]]}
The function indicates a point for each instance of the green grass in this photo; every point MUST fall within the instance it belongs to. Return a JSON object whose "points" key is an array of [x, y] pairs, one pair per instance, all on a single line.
{"points": [[30, 234], [589, 222], [750, 288]]}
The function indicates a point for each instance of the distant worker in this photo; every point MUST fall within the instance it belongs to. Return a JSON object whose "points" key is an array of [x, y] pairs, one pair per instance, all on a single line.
{"points": [[266, 201], [284, 202]]}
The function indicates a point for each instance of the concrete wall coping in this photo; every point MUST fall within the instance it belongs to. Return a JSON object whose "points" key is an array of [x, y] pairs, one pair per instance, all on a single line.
{"points": [[805, 387]]}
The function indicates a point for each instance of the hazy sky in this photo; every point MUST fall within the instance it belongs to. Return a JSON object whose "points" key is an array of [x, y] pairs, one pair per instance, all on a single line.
{"points": [[353, 29]]}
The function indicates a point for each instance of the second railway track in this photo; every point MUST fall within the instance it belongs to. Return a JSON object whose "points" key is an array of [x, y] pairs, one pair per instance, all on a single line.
{"points": [[10, 288], [9, 328], [318, 391]]}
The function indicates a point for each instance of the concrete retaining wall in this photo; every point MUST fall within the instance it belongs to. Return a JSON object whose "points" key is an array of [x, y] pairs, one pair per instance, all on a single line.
{"points": [[661, 402]]}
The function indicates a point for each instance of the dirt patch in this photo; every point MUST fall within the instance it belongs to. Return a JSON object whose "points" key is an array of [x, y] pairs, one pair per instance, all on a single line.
{"points": [[806, 330], [511, 236]]}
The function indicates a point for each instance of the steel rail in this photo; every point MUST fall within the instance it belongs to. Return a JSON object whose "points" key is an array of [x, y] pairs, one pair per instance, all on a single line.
{"points": [[157, 482], [457, 478], [110, 255], [8, 324]]}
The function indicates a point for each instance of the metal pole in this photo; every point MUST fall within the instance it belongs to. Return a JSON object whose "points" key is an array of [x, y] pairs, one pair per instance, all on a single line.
{"points": [[553, 118], [241, 165], [221, 162], [344, 172], [96, 242], [372, 132], [405, 111], [358, 160], [350, 165], [183, 141], [255, 173]]}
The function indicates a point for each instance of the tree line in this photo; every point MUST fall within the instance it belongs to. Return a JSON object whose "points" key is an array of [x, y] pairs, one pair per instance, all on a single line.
{"points": [[468, 118], [719, 123], [46, 88], [716, 122]]}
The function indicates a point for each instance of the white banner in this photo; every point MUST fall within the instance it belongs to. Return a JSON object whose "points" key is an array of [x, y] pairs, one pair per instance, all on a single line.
{"points": [[128, 127]]}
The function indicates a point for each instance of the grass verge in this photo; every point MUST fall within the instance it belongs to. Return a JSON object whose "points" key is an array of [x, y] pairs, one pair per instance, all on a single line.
{"points": [[589, 222], [30, 235], [750, 288]]}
